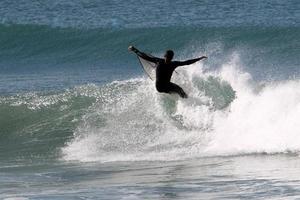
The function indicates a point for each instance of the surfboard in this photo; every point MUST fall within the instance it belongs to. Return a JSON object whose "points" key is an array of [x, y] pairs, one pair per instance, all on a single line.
{"points": [[149, 67]]}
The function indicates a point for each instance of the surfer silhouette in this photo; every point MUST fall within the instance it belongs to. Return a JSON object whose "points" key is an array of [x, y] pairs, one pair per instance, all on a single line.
{"points": [[164, 70]]}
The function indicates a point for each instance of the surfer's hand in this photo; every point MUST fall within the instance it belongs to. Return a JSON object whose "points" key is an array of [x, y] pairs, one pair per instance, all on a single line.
{"points": [[203, 57], [132, 48]]}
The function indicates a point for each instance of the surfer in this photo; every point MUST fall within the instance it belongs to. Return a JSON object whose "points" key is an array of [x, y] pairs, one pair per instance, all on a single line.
{"points": [[164, 70]]}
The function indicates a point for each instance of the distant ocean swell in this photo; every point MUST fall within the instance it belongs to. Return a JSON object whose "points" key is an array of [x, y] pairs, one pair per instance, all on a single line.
{"points": [[24, 46]]}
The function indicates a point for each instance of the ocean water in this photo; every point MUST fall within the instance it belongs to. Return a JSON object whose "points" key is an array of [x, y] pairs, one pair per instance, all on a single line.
{"points": [[79, 119]]}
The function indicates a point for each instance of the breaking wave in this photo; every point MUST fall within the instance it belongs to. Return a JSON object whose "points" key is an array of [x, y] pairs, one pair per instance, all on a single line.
{"points": [[227, 114]]}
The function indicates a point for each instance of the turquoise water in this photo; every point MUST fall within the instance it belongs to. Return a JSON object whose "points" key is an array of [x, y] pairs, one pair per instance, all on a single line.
{"points": [[80, 120]]}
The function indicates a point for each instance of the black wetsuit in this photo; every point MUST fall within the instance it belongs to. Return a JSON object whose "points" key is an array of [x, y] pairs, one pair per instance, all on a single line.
{"points": [[164, 73]]}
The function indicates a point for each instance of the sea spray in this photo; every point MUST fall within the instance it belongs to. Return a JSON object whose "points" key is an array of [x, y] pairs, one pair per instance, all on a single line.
{"points": [[146, 125]]}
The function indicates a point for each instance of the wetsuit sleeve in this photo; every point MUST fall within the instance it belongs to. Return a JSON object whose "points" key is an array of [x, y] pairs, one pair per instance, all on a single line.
{"points": [[147, 57], [187, 62]]}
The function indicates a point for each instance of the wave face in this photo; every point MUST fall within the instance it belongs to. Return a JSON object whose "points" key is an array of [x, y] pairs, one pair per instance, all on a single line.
{"points": [[34, 125]]}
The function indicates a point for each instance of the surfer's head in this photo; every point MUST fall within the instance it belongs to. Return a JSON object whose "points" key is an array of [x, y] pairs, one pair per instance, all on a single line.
{"points": [[169, 55]]}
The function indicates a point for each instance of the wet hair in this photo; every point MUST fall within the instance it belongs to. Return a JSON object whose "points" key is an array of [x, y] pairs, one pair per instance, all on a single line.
{"points": [[169, 54]]}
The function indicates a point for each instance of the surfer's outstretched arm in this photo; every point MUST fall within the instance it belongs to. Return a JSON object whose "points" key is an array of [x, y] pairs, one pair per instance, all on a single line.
{"points": [[143, 55], [188, 62]]}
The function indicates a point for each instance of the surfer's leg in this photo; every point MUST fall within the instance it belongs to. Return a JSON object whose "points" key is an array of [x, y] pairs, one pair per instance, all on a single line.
{"points": [[173, 88]]}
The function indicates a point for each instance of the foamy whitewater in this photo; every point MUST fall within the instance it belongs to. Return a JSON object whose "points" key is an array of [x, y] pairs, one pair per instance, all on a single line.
{"points": [[226, 114], [79, 118]]}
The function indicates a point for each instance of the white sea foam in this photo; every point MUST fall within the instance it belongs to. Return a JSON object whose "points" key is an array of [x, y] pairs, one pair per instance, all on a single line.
{"points": [[227, 114]]}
